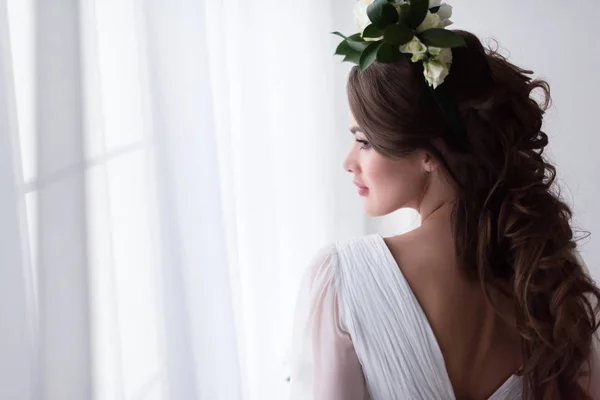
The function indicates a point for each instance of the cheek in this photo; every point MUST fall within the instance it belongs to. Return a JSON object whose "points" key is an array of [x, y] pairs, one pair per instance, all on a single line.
{"points": [[397, 181], [383, 171]]}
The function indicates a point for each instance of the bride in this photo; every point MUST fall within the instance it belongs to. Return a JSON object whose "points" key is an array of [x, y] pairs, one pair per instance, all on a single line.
{"points": [[488, 298]]}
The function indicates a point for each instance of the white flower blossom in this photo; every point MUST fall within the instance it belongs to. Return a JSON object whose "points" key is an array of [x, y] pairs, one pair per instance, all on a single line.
{"points": [[435, 72], [443, 56], [445, 13], [416, 48], [431, 21], [361, 18]]}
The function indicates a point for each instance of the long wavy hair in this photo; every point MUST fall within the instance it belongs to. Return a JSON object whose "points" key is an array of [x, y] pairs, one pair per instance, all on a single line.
{"points": [[511, 228]]}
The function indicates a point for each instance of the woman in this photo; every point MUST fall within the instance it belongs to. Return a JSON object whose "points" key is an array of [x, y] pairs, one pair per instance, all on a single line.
{"points": [[488, 298]]}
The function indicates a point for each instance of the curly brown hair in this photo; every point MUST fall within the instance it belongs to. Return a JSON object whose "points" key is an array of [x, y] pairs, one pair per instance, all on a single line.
{"points": [[511, 228]]}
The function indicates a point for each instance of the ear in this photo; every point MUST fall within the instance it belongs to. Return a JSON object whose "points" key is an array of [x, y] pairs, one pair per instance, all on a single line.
{"points": [[430, 164]]}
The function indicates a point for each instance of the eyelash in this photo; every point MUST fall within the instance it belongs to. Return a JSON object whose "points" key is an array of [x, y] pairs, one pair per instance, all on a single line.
{"points": [[365, 144]]}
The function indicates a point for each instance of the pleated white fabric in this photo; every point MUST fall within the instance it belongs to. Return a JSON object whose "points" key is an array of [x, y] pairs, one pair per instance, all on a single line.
{"points": [[358, 307]]}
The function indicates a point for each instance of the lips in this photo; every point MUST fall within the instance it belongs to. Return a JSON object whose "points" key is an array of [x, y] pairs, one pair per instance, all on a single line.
{"points": [[359, 185]]}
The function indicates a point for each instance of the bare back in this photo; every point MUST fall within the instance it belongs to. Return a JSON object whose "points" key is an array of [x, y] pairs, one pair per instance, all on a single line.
{"points": [[480, 349]]}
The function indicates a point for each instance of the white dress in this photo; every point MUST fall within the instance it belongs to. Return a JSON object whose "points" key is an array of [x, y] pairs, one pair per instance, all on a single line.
{"points": [[360, 334]]}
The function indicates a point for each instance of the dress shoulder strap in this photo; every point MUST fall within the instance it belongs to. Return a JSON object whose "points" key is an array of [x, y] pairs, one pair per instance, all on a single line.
{"points": [[393, 339]]}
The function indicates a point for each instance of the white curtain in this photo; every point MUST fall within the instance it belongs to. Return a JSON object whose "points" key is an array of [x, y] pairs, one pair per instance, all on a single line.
{"points": [[167, 170]]}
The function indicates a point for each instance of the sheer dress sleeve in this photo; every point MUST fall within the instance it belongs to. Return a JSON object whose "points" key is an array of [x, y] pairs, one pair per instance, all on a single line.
{"points": [[324, 363]]}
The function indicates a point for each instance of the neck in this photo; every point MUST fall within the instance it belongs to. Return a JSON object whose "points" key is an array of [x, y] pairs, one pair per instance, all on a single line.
{"points": [[438, 200], [441, 210]]}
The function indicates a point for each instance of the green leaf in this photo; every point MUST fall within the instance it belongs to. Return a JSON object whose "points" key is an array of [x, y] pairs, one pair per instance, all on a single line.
{"points": [[418, 12], [358, 45], [356, 37], [434, 10], [382, 13], [348, 52], [369, 56], [398, 34], [404, 18], [355, 41], [372, 31], [339, 34], [353, 58], [343, 49], [441, 38], [388, 53]]}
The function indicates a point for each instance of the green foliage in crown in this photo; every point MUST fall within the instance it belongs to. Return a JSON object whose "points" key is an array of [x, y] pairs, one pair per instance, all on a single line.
{"points": [[390, 29]]}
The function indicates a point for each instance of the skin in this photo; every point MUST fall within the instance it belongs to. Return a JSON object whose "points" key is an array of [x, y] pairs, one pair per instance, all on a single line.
{"points": [[481, 349]]}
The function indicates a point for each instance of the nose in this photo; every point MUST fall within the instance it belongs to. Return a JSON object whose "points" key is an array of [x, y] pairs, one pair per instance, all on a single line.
{"points": [[350, 165]]}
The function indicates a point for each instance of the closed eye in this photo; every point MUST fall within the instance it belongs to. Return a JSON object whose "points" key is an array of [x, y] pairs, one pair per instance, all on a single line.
{"points": [[365, 144]]}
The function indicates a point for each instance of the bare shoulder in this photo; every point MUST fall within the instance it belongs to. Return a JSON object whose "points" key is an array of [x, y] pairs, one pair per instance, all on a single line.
{"points": [[426, 257], [427, 260]]}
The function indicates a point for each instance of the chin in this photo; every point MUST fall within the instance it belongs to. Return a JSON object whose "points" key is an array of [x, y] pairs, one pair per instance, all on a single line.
{"points": [[376, 212], [380, 210]]}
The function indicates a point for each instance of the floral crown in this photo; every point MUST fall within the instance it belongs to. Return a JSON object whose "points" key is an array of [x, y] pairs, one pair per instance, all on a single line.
{"points": [[390, 29]]}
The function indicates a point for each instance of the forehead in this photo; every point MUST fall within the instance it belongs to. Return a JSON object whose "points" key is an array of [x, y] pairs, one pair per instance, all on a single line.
{"points": [[353, 125], [352, 120]]}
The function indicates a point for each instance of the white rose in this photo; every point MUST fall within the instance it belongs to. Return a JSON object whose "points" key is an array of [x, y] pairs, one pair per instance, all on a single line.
{"points": [[443, 56], [446, 23], [435, 72], [416, 48], [431, 21], [445, 13], [360, 14], [362, 18]]}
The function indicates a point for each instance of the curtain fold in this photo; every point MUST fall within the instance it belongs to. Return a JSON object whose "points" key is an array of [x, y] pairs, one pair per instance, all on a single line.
{"points": [[174, 174], [17, 322], [61, 221]]}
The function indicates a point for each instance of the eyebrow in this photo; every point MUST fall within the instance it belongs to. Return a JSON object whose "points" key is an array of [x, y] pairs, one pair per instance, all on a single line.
{"points": [[355, 129]]}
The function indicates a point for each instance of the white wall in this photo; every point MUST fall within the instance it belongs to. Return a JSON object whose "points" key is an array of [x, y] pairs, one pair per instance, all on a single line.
{"points": [[555, 39]]}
